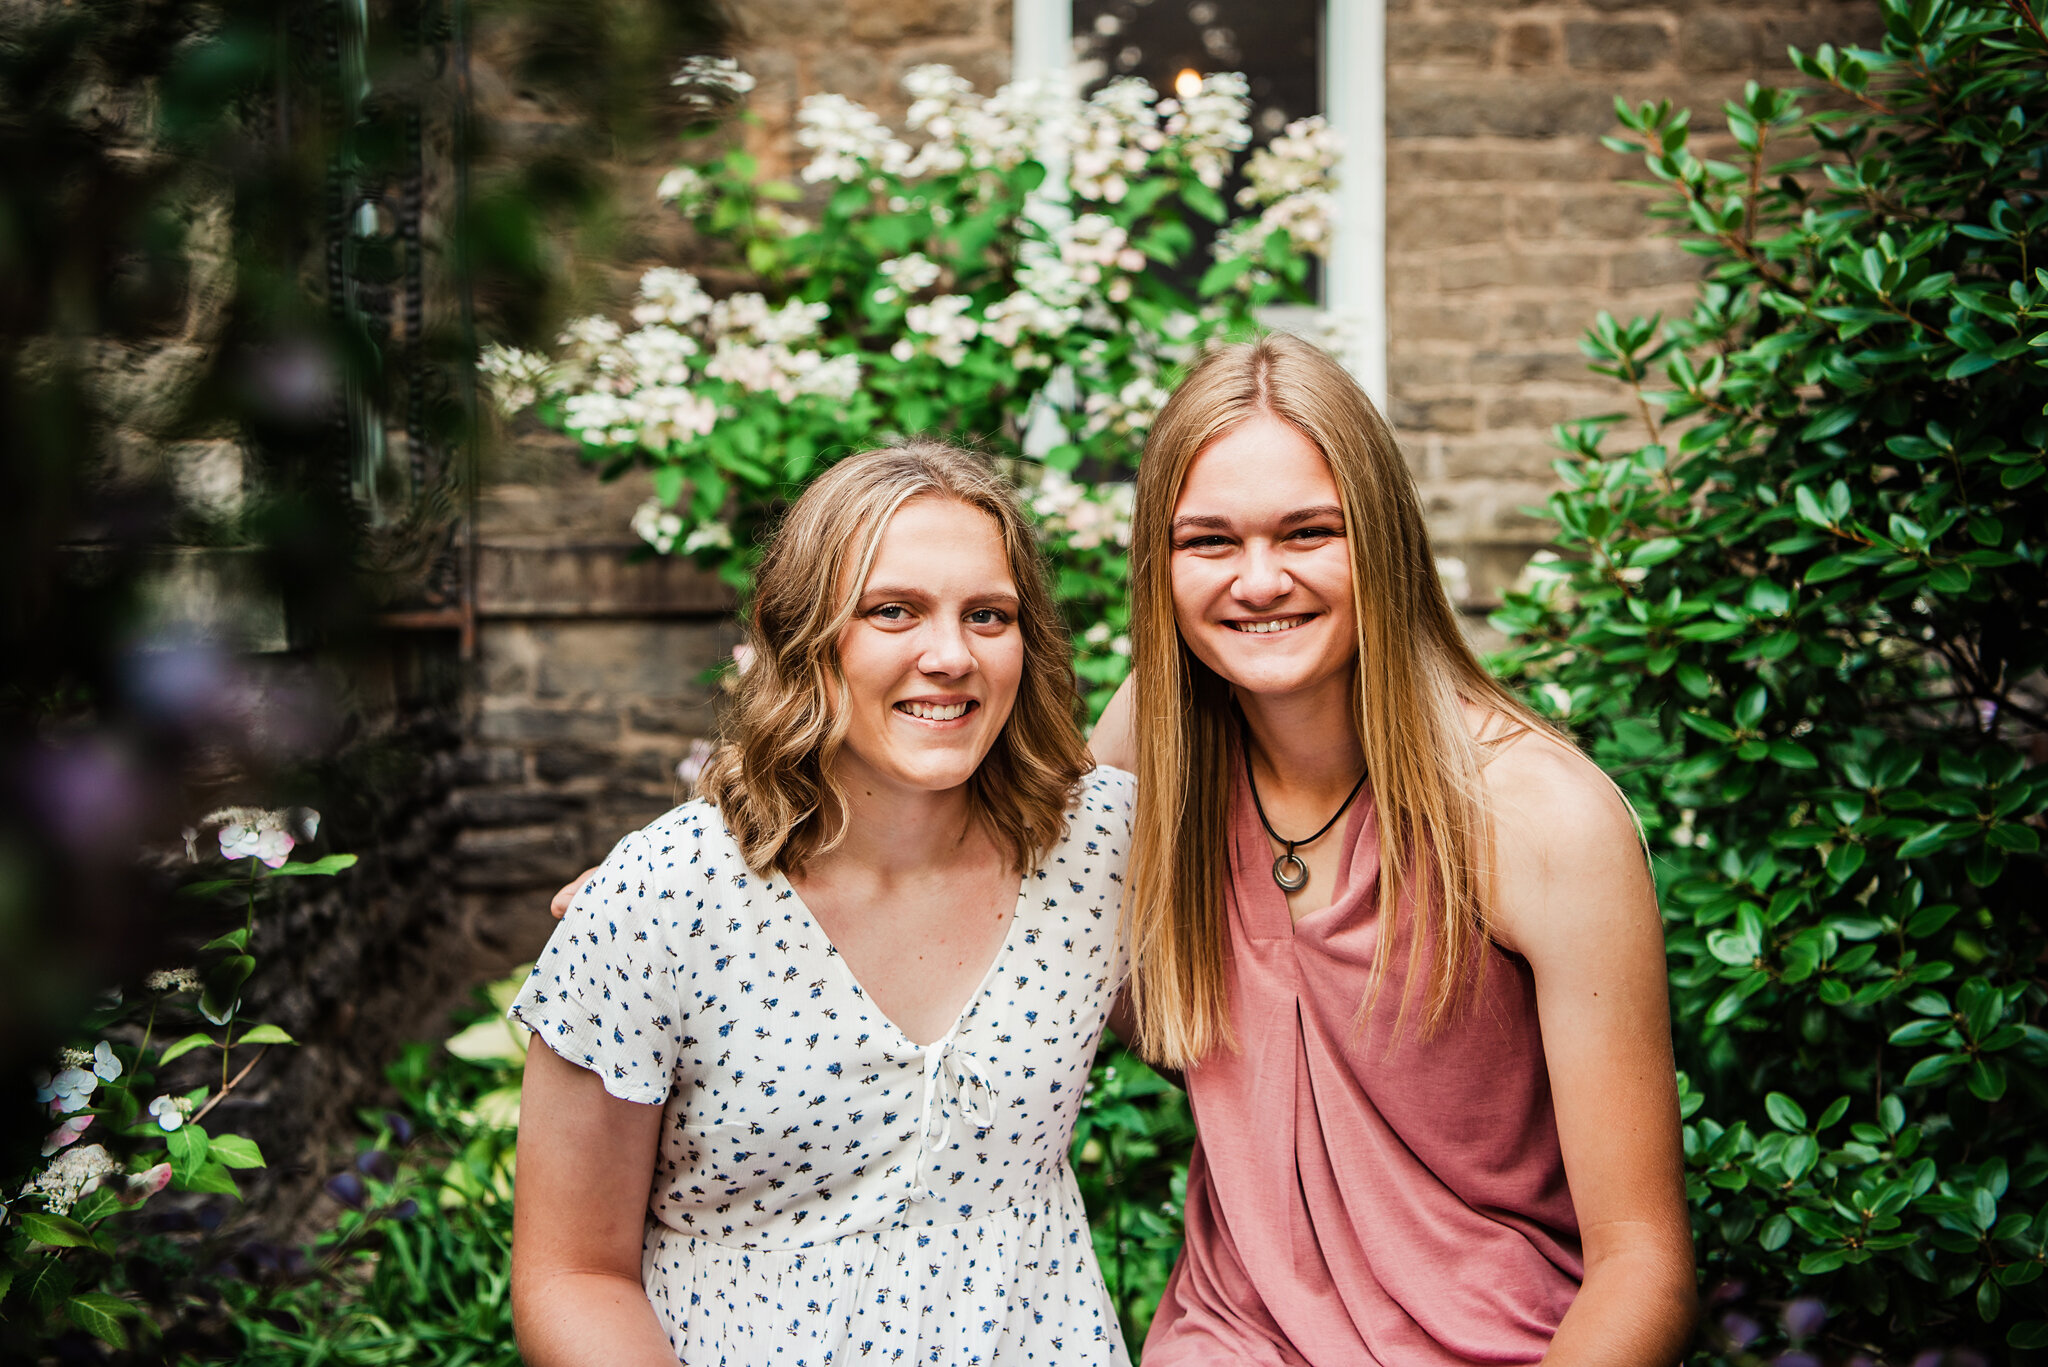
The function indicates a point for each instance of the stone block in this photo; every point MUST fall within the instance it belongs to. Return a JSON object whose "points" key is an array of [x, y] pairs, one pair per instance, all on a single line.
{"points": [[891, 21], [1653, 267], [1534, 216], [1425, 220], [1719, 42], [635, 659], [540, 725], [1615, 46], [561, 763], [1435, 415], [539, 856], [1438, 165], [486, 809], [593, 579], [1490, 271], [1409, 374], [1611, 216], [1422, 320], [1531, 45], [1441, 109], [1523, 367], [857, 73], [786, 23], [1513, 411], [1463, 41], [495, 764]]}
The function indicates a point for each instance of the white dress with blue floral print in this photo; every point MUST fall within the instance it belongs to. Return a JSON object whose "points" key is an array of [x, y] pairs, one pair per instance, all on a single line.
{"points": [[827, 1191]]}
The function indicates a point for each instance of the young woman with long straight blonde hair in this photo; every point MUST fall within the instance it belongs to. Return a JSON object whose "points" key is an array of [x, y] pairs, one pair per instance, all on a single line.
{"points": [[810, 1048], [1398, 934]]}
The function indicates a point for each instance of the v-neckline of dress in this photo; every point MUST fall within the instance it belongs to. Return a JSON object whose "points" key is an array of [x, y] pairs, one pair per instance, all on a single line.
{"points": [[967, 1008], [1268, 917]]}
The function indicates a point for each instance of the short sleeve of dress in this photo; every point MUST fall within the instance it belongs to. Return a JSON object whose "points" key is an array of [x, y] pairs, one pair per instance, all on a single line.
{"points": [[603, 993]]}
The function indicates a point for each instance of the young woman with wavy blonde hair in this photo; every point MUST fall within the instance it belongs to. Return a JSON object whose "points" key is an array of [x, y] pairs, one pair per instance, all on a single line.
{"points": [[815, 1042], [1397, 932]]}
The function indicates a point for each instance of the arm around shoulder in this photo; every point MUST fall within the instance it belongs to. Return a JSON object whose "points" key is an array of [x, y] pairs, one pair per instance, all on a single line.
{"points": [[1573, 896], [1114, 740]]}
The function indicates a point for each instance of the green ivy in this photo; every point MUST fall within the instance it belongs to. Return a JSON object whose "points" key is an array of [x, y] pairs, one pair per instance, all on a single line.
{"points": [[1802, 617]]}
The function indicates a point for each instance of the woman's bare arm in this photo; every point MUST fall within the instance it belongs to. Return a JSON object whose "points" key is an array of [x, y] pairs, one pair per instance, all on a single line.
{"points": [[585, 1163], [1574, 898], [1113, 741]]}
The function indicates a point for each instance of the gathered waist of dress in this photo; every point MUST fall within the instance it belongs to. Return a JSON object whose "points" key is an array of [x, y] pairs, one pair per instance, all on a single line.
{"points": [[1042, 1202]]}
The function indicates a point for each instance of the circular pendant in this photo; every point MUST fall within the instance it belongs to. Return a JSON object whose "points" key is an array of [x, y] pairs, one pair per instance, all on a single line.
{"points": [[1290, 873]]}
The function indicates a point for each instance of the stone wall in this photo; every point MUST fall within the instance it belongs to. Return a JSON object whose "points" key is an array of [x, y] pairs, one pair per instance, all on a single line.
{"points": [[1509, 226]]}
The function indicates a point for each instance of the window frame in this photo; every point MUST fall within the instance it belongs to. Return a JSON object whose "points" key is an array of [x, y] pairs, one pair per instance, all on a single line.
{"points": [[1354, 98]]}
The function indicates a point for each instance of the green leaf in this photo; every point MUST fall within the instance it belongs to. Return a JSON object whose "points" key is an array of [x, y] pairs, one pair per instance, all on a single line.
{"points": [[322, 867], [265, 1034], [2028, 1334], [213, 1177], [57, 1231], [236, 940], [235, 1151], [100, 1315], [1785, 1113], [188, 1145], [198, 1040]]}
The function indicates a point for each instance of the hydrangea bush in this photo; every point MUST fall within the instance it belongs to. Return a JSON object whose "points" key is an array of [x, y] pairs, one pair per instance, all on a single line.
{"points": [[1801, 614], [1017, 271], [120, 1131]]}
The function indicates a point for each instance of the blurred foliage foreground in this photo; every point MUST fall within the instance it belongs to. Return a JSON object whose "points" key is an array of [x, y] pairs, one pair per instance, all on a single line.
{"points": [[1803, 621]]}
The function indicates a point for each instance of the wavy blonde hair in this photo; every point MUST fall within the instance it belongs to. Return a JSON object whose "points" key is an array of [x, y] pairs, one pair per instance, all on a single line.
{"points": [[1414, 673], [771, 776]]}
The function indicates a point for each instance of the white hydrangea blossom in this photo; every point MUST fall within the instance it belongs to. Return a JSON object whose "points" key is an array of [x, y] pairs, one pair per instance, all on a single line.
{"points": [[1087, 515], [1303, 157], [1009, 321], [74, 1173], [847, 140], [1113, 138], [907, 275], [657, 526], [173, 980], [946, 324], [670, 296], [708, 82], [1102, 634], [515, 378], [684, 187], [1210, 126], [254, 832], [1129, 410]]}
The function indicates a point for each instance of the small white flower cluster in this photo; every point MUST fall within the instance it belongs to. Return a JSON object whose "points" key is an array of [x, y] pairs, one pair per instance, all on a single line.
{"points": [[943, 328], [74, 1173], [1129, 411], [167, 980], [662, 528], [1210, 125], [1103, 636], [78, 1076], [907, 275], [848, 141], [670, 296], [1291, 180], [262, 834], [1113, 138], [710, 82], [684, 187], [170, 1112], [515, 378], [1088, 515]]}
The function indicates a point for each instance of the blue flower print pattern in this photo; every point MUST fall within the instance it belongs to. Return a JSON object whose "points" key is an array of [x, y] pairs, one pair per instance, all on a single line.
{"points": [[827, 1192]]}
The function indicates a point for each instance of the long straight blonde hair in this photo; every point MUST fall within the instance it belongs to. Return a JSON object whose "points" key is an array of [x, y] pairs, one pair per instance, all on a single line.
{"points": [[771, 778], [1414, 673]]}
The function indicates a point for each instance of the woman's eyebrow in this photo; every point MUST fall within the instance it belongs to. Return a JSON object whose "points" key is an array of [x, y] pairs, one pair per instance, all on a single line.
{"points": [[1316, 514], [1208, 520]]}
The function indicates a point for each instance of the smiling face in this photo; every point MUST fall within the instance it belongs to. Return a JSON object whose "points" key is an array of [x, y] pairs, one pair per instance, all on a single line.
{"points": [[933, 655], [1261, 569]]}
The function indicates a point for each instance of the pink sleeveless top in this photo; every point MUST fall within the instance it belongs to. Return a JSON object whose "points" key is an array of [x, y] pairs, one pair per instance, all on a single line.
{"points": [[1345, 1204]]}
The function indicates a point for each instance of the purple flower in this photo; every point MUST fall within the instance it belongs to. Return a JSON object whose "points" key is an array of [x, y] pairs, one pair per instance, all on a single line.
{"points": [[1803, 1317], [376, 1163], [348, 1189], [1740, 1328], [400, 1127]]}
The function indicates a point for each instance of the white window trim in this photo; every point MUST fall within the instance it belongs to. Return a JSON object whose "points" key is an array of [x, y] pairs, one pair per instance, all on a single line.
{"points": [[1354, 95]]}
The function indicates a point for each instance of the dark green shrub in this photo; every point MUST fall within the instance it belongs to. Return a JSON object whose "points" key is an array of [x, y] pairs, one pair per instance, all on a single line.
{"points": [[1804, 624]]}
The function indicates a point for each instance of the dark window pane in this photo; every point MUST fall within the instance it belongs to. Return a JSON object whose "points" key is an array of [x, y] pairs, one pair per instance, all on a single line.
{"points": [[1277, 44]]}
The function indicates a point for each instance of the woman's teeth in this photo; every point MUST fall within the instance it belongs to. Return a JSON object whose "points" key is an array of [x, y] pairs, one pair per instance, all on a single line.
{"points": [[935, 711], [1262, 628]]}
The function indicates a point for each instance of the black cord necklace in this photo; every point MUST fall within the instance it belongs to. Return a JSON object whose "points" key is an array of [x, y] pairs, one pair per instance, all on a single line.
{"points": [[1289, 871]]}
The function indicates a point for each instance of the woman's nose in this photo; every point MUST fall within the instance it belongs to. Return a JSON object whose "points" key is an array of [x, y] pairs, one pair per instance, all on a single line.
{"points": [[1261, 580], [945, 651]]}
